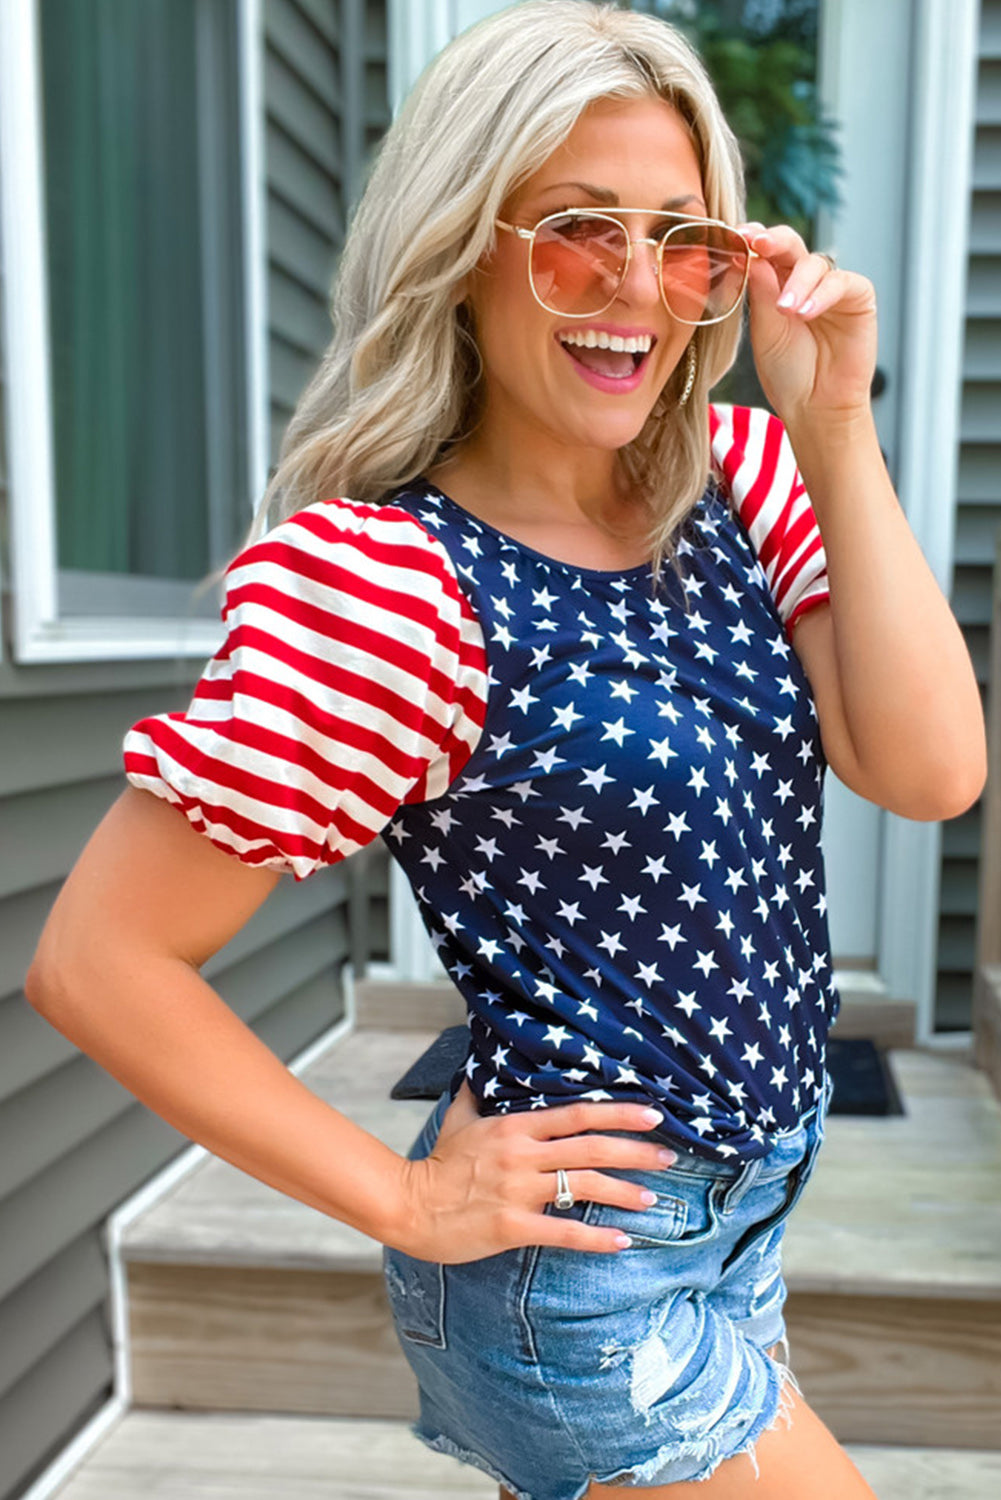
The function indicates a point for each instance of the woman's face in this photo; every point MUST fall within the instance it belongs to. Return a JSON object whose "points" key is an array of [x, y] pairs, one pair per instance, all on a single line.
{"points": [[635, 154]]}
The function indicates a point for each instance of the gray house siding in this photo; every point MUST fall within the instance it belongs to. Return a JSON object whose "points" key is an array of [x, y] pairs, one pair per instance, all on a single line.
{"points": [[75, 1143], [978, 515]]}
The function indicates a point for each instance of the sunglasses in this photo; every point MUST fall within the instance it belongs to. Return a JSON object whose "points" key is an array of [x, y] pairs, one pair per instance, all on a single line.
{"points": [[578, 260]]}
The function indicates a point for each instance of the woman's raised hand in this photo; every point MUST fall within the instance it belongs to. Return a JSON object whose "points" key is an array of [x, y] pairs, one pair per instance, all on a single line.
{"points": [[488, 1179], [813, 329]]}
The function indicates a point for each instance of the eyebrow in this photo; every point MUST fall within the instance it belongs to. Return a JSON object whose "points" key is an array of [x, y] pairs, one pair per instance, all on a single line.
{"points": [[606, 195]]}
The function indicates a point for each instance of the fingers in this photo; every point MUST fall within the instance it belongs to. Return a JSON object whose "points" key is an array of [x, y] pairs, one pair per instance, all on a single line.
{"points": [[573, 1119], [808, 284], [572, 1152]]}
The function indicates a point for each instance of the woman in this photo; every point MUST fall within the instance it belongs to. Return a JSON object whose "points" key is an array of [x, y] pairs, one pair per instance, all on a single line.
{"points": [[579, 645]]}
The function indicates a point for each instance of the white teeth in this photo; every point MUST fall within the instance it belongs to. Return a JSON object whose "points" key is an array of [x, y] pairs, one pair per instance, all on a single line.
{"points": [[590, 338]]}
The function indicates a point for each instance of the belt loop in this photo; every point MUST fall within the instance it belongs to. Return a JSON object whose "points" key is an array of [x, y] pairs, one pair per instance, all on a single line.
{"points": [[741, 1184]]}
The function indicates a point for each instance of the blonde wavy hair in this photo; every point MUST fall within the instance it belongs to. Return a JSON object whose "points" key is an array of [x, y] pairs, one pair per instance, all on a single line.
{"points": [[399, 385]]}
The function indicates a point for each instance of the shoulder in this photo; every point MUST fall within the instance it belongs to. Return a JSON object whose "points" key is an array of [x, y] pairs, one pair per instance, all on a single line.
{"points": [[338, 549]]}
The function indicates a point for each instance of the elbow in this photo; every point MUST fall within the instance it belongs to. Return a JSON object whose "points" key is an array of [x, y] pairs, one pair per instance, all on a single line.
{"points": [[951, 793], [41, 985]]}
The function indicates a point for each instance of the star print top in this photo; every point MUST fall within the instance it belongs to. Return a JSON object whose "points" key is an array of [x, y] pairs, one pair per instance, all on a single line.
{"points": [[607, 800]]}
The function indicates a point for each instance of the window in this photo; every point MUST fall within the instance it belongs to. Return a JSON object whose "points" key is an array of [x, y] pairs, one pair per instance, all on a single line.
{"points": [[142, 410]]}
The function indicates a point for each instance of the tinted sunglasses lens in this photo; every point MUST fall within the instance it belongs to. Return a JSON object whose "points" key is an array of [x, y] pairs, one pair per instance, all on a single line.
{"points": [[577, 262], [704, 269]]}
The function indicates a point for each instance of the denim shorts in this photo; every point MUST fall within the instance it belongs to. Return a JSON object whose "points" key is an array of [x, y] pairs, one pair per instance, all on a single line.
{"points": [[549, 1368]]}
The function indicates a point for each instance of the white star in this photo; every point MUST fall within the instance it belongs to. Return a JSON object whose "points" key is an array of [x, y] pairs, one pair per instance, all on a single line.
{"points": [[616, 731], [530, 878], [655, 868], [610, 942], [644, 800], [671, 935], [677, 823], [661, 750], [557, 1035], [596, 779], [565, 716], [593, 877], [706, 963], [692, 894], [632, 906], [550, 847], [648, 974], [522, 697]]}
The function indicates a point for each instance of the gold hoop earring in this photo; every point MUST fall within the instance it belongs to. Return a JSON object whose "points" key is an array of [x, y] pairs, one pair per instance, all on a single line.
{"points": [[691, 372]]}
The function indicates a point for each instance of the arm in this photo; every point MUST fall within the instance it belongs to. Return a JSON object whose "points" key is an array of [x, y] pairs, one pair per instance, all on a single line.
{"points": [[897, 698], [116, 971]]}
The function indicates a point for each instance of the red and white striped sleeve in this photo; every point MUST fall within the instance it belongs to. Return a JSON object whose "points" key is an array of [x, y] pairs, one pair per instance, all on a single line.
{"points": [[753, 459], [353, 679]]}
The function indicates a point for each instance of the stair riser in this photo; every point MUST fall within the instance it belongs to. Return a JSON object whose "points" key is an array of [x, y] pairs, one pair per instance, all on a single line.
{"points": [[877, 1370], [908, 1370], [238, 1339]]}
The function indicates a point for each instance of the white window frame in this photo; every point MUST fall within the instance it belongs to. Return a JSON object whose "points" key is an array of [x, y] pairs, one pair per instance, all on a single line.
{"points": [[40, 633]]}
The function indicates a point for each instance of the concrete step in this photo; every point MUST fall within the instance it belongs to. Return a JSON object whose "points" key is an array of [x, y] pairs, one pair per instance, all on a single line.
{"points": [[212, 1456], [242, 1299]]}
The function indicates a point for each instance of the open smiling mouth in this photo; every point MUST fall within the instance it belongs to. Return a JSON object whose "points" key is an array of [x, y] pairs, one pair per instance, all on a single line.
{"points": [[608, 355]]}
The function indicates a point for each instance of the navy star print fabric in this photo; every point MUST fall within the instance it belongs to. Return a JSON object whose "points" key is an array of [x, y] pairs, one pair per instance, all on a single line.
{"points": [[625, 880]]}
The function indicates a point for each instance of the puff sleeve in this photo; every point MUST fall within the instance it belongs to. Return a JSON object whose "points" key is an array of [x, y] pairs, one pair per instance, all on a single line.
{"points": [[352, 679], [753, 459]]}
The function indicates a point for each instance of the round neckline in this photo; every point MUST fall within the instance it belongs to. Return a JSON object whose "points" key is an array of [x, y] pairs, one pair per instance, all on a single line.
{"points": [[644, 569]]}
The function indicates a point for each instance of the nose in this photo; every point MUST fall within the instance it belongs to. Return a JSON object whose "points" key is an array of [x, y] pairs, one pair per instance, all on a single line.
{"points": [[641, 284]]}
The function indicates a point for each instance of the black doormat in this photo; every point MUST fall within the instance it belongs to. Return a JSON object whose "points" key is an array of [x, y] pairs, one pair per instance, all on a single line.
{"points": [[863, 1080], [429, 1076]]}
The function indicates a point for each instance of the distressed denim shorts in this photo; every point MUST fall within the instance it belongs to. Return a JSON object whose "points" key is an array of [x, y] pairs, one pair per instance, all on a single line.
{"points": [[549, 1368]]}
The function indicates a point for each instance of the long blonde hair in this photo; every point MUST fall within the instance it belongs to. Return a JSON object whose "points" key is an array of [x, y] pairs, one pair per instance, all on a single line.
{"points": [[399, 383]]}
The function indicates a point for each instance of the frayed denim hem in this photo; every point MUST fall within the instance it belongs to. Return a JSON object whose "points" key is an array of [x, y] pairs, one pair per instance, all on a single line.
{"points": [[442, 1444], [651, 1472]]}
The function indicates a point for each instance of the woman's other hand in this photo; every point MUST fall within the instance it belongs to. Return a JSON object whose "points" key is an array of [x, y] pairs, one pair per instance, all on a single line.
{"points": [[486, 1183], [813, 329]]}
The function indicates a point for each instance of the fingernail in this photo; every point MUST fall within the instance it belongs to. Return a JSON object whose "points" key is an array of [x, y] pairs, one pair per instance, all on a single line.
{"points": [[808, 305], [668, 1158], [623, 1241], [655, 1116], [647, 1197], [786, 300]]}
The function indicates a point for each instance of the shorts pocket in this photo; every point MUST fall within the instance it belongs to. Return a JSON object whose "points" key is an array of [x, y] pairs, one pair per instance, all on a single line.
{"points": [[416, 1291], [686, 1211]]}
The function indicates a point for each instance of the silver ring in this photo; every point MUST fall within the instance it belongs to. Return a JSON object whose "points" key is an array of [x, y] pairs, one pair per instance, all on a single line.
{"points": [[564, 1197], [831, 262]]}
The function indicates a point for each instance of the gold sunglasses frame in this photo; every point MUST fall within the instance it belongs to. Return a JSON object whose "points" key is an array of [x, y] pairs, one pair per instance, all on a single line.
{"points": [[591, 213]]}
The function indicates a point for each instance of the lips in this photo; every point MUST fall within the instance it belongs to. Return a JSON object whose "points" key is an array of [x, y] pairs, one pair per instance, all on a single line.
{"points": [[616, 371]]}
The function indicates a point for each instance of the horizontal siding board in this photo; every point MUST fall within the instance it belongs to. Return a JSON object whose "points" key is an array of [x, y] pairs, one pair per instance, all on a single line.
{"points": [[299, 250], [983, 291], [314, 194], [47, 829], [291, 372], [40, 1123], [312, 57], [22, 917], [961, 836], [985, 223], [959, 890], [301, 116], [980, 413], [78, 1192], [987, 157], [291, 907], [323, 15], [49, 1304], [982, 350], [972, 596], [35, 734], [304, 1014], [980, 475], [989, 91], [301, 318], [990, 30], [54, 1399], [976, 534], [29, 1046]]}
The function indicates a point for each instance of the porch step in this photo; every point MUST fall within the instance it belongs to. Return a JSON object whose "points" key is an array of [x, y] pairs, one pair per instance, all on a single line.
{"points": [[245, 1300], [182, 1456]]}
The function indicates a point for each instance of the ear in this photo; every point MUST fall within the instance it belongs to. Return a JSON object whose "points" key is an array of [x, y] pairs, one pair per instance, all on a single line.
{"points": [[459, 292]]}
